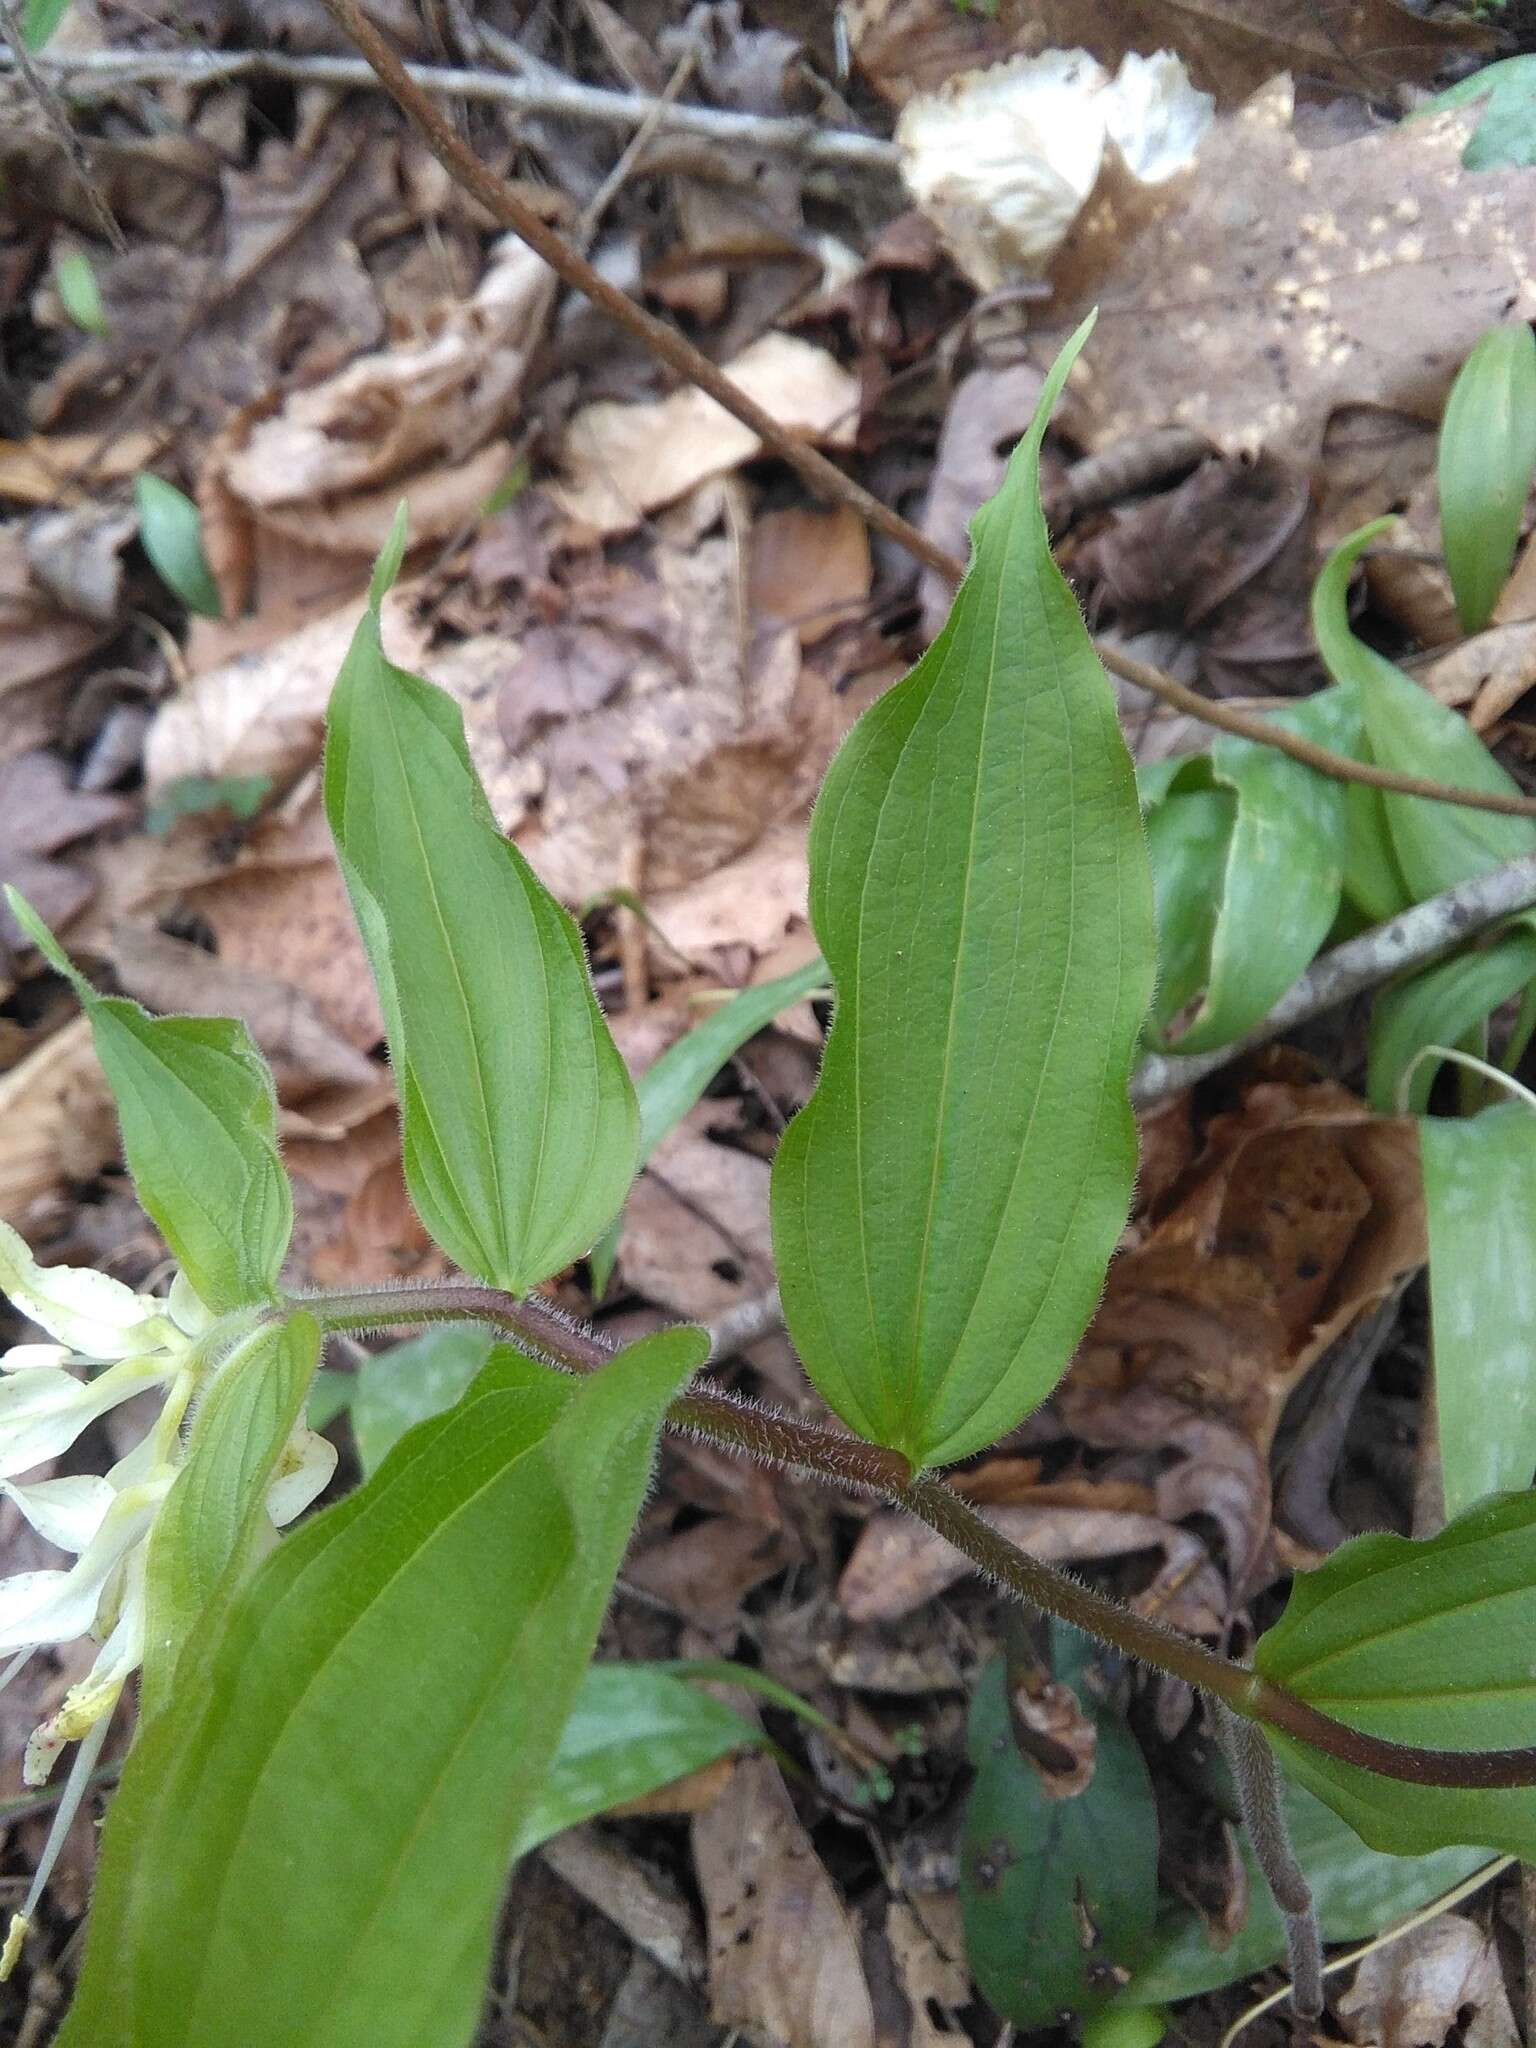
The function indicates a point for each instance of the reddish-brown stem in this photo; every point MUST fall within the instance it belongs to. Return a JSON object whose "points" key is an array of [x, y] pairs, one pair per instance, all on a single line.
{"points": [[694, 367], [774, 1438]]}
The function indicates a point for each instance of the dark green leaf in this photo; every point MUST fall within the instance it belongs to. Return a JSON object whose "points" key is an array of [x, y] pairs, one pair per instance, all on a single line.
{"points": [[1506, 134], [171, 531], [1438, 1006], [206, 1536], [1487, 458], [1357, 1892], [310, 1842], [405, 1384], [1480, 1202], [633, 1728], [519, 1122], [945, 1205], [1435, 845], [1058, 1895], [199, 1121], [1427, 1643]]}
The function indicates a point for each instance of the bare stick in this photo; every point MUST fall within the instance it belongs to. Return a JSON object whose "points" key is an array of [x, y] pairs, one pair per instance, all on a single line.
{"points": [[1429, 929], [679, 354], [1258, 1792]]}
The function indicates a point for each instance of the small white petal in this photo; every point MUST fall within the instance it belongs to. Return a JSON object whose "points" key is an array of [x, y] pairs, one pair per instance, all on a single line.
{"points": [[42, 1412], [67, 1512], [190, 1315], [307, 1463], [28, 1357], [89, 1311], [58, 1607]]}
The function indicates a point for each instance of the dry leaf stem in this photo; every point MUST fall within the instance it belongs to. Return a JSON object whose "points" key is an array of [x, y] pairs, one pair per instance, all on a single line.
{"points": [[823, 475], [733, 1423]]}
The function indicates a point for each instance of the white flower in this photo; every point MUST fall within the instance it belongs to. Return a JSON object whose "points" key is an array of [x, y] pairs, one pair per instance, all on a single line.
{"points": [[143, 1344]]}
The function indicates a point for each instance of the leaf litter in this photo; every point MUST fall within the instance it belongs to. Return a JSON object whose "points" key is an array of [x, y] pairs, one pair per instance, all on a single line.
{"points": [[657, 639]]}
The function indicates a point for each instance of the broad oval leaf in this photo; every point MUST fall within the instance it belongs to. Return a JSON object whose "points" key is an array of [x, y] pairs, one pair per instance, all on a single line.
{"points": [[946, 1204], [1058, 1895], [1487, 458], [1435, 844], [207, 1535], [171, 531], [1427, 1643], [79, 294], [1438, 1006], [1479, 1204], [199, 1120], [309, 1843], [519, 1123]]}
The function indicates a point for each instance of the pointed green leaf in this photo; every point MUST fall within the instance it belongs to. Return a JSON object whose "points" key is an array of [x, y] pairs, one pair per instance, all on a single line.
{"points": [[208, 1534], [1427, 1643], [1506, 133], [171, 530], [1188, 836], [199, 1121], [945, 1206], [1487, 459], [39, 19], [1038, 1872], [1438, 1006], [1480, 1202], [1436, 845], [519, 1121], [310, 1842]]}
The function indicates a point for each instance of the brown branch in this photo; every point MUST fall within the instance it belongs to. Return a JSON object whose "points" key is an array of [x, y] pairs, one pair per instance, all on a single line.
{"points": [[689, 363], [545, 1332]]}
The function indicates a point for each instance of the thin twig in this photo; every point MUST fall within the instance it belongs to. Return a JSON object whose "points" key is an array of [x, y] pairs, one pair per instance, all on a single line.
{"points": [[98, 74], [15, 56], [1429, 929], [823, 475], [609, 190]]}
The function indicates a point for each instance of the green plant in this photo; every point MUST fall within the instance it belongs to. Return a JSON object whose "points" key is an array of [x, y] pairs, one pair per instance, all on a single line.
{"points": [[943, 1214]]}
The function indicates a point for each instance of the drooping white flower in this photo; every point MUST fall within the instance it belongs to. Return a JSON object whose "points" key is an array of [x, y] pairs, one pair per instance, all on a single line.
{"points": [[140, 1343]]}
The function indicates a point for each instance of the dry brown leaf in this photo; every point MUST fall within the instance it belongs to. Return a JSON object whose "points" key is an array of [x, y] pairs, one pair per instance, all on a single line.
{"points": [[1231, 46], [1491, 672], [57, 1122], [623, 461], [42, 812], [810, 570], [1411, 1993], [696, 1225], [1301, 279], [929, 1970], [38, 638], [61, 469], [783, 1959]]}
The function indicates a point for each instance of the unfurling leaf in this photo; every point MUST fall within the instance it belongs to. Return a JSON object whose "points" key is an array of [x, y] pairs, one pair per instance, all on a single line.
{"points": [[945, 1206], [310, 1841], [1480, 1204], [1426, 1643], [199, 1121], [519, 1123], [1487, 458]]}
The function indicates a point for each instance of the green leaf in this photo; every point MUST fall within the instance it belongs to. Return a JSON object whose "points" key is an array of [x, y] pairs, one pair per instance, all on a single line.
{"points": [[1438, 1006], [945, 1205], [405, 1384], [79, 294], [206, 1537], [1506, 135], [1426, 1643], [194, 796], [171, 530], [634, 1727], [1487, 459], [310, 1842], [1436, 845], [330, 1395], [199, 1121], [39, 19], [520, 1129], [1357, 1892], [1187, 837], [1036, 1873], [1480, 1199]]}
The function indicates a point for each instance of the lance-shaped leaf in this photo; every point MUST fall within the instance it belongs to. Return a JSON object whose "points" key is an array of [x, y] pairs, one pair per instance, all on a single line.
{"points": [[1439, 1006], [1188, 835], [199, 1121], [1487, 457], [1479, 1203], [518, 1119], [1427, 1643], [310, 1842], [945, 1205], [209, 1531]]}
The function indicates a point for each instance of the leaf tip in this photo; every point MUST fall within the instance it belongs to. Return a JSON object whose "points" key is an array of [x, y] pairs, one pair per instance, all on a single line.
{"points": [[391, 555]]}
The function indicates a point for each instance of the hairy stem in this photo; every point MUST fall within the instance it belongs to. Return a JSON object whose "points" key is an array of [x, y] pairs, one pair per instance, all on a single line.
{"points": [[1258, 1792], [538, 1327]]}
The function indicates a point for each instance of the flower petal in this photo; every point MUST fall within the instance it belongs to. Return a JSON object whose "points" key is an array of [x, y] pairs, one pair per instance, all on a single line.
{"points": [[191, 1315], [303, 1473], [58, 1607], [89, 1311], [43, 1411], [67, 1512], [28, 1357]]}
